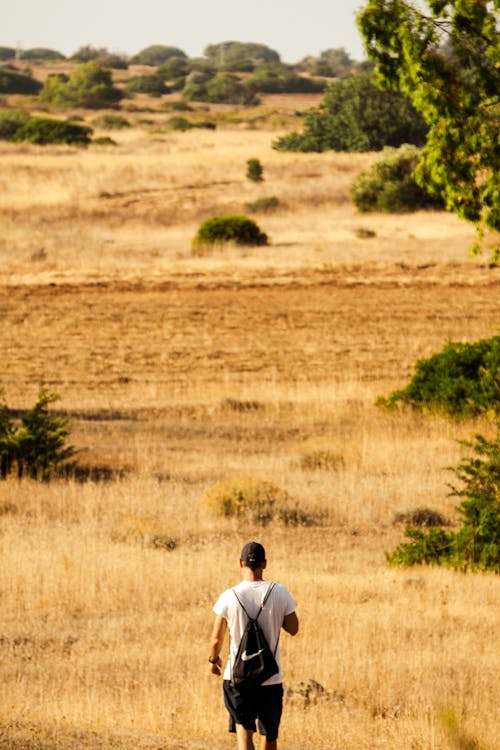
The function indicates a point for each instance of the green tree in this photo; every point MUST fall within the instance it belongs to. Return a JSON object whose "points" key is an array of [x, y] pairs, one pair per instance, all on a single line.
{"points": [[445, 55], [156, 54], [34, 444], [41, 53], [240, 56], [355, 115], [476, 545], [89, 85], [12, 82]]}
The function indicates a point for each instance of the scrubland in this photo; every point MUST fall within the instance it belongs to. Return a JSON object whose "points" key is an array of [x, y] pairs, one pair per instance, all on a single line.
{"points": [[181, 370]]}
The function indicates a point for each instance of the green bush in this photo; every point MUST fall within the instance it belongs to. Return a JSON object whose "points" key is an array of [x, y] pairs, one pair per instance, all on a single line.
{"points": [[34, 443], [240, 56], [476, 545], [110, 122], [43, 130], [254, 170], [89, 85], [12, 82], [332, 63], [156, 54], [7, 53], [276, 78], [389, 186], [229, 229], [101, 55], [463, 380], [153, 85], [41, 53], [221, 88], [11, 120], [355, 115]]}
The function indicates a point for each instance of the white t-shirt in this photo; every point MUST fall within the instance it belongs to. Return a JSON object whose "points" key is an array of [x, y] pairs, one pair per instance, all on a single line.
{"points": [[251, 593]]}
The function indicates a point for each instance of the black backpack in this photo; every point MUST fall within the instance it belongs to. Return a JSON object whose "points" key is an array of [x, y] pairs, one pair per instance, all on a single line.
{"points": [[254, 662]]}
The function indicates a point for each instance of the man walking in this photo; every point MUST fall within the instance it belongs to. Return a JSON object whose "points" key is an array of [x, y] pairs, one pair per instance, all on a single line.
{"points": [[263, 703]]}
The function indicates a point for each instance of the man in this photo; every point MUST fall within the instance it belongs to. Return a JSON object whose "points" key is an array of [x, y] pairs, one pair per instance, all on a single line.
{"points": [[265, 702]]}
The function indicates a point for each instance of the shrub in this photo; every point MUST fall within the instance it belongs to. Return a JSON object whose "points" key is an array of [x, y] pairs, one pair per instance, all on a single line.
{"points": [[104, 140], [43, 130], [463, 380], [7, 53], [476, 545], [222, 88], [12, 82], [156, 54], [229, 229], [254, 170], [11, 120], [332, 63], [33, 444], [240, 56], [254, 500], [266, 204], [153, 85], [275, 78], [41, 53], [355, 115], [389, 185], [100, 55], [179, 123], [110, 122], [89, 85]]}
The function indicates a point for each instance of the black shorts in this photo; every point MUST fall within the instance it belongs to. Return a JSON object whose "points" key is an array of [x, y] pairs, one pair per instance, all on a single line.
{"points": [[264, 704]]}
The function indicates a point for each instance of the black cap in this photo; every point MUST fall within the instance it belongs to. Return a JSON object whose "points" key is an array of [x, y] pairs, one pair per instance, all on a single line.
{"points": [[253, 555]]}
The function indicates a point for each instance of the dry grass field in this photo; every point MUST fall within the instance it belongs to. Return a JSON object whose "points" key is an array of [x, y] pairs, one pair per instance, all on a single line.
{"points": [[179, 371]]}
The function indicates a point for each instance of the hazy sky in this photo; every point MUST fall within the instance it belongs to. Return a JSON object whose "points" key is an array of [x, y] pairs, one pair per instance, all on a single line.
{"points": [[294, 28]]}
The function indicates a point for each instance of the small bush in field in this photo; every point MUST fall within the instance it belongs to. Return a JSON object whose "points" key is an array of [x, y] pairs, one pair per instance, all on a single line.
{"points": [[33, 445], [11, 120], [110, 122], [463, 380], [264, 205], [254, 170], [229, 229], [389, 185], [476, 545], [43, 130], [255, 500], [12, 82]]}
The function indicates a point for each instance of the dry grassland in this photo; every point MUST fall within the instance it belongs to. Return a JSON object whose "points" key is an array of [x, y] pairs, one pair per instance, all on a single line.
{"points": [[179, 371]]}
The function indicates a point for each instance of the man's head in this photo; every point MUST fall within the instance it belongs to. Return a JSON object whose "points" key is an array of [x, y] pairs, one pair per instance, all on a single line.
{"points": [[253, 556]]}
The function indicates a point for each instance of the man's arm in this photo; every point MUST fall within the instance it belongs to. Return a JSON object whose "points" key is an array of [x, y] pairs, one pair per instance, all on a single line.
{"points": [[291, 623], [216, 642]]}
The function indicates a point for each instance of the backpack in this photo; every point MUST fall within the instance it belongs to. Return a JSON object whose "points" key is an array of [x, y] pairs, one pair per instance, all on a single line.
{"points": [[254, 662]]}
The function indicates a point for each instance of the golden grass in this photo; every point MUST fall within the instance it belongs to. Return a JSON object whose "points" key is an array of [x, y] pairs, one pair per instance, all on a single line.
{"points": [[186, 371]]}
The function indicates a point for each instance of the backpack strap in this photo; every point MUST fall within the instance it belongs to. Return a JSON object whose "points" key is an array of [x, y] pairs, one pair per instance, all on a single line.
{"points": [[266, 597], [254, 619]]}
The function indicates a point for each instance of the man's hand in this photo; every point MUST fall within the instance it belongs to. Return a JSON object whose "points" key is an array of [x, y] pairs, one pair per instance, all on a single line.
{"points": [[216, 667]]}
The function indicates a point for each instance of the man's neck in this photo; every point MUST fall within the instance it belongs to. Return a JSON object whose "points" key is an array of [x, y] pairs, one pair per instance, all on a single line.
{"points": [[252, 575]]}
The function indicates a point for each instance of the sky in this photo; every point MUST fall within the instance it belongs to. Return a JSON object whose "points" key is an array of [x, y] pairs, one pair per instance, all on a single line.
{"points": [[294, 28]]}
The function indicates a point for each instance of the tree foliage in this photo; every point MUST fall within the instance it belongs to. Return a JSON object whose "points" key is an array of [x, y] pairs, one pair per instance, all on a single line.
{"points": [[476, 545], [355, 115], [41, 53], [156, 54], [12, 82], [34, 443], [389, 184], [446, 57], [89, 85], [240, 56], [462, 380]]}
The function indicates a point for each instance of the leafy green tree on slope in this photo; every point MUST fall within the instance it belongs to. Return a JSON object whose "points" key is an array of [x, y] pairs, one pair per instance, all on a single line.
{"points": [[446, 57]]}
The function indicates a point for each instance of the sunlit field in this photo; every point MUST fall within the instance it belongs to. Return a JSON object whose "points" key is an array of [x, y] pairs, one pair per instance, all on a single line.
{"points": [[179, 370]]}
